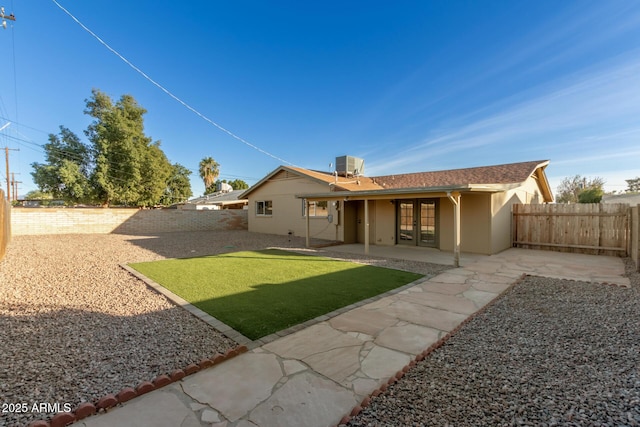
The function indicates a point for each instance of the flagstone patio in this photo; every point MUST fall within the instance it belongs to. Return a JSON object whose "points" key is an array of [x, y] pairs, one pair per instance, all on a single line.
{"points": [[315, 376]]}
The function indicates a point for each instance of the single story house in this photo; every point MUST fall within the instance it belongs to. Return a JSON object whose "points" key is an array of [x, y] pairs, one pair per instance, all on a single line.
{"points": [[218, 200], [632, 199], [453, 210]]}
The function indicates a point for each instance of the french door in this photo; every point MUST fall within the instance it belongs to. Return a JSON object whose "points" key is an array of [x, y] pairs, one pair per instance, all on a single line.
{"points": [[417, 222]]}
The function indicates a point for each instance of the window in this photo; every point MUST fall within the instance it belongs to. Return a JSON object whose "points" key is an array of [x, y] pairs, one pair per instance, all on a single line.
{"points": [[264, 208], [316, 209]]}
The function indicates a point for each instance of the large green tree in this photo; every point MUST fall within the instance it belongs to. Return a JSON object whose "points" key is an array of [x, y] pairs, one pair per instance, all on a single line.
{"points": [[178, 189], [65, 175], [209, 170], [120, 165], [570, 188], [129, 169]]}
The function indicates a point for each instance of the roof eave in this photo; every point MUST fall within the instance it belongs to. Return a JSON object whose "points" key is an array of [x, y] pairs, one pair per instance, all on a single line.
{"points": [[545, 188], [466, 188]]}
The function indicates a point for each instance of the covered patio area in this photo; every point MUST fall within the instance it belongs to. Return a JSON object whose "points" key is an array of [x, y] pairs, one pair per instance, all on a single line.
{"points": [[412, 253]]}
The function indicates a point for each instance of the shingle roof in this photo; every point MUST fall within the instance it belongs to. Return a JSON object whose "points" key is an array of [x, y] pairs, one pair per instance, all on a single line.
{"points": [[512, 173], [218, 198], [499, 174], [341, 183]]}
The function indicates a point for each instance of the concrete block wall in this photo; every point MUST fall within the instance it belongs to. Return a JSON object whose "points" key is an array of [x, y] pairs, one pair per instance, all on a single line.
{"points": [[25, 221]]}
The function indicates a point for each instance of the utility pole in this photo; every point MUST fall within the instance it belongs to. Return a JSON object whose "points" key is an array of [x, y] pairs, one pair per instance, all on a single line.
{"points": [[6, 157], [10, 17], [14, 184]]}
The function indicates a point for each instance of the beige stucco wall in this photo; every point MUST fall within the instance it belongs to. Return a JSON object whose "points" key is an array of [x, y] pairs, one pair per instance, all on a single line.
{"points": [[385, 226], [381, 222], [287, 210], [528, 193], [475, 223]]}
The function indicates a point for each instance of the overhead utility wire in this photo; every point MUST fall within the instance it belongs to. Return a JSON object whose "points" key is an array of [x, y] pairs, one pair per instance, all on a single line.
{"points": [[162, 88], [21, 124], [61, 154]]}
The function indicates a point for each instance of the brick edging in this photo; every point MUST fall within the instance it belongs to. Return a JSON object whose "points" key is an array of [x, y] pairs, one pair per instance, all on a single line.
{"points": [[109, 401]]}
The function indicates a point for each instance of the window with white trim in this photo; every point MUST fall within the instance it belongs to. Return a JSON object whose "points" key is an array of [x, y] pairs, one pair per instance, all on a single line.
{"points": [[264, 208], [318, 209]]}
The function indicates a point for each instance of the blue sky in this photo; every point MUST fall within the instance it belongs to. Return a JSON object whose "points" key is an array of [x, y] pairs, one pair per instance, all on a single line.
{"points": [[408, 86]]}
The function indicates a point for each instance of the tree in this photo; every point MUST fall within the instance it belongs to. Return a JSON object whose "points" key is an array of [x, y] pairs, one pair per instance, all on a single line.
{"points": [[178, 187], [129, 169], [238, 184], [38, 195], [570, 188], [633, 185], [66, 173], [590, 195], [209, 170], [119, 165], [155, 174]]}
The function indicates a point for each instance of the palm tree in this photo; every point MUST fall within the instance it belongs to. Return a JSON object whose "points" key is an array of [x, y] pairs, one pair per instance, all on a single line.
{"points": [[209, 171]]}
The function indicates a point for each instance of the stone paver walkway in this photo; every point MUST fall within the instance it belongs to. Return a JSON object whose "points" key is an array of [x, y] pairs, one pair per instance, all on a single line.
{"points": [[317, 375]]}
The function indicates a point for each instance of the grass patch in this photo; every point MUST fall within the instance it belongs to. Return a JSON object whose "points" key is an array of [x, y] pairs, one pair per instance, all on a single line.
{"points": [[261, 292]]}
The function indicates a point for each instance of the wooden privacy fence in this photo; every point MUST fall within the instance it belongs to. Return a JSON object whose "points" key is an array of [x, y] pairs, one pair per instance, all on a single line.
{"points": [[593, 228], [5, 224], [634, 251]]}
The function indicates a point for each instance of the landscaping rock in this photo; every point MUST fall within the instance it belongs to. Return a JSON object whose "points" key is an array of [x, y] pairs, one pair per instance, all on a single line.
{"points": [[81, 327], [548, 352]]}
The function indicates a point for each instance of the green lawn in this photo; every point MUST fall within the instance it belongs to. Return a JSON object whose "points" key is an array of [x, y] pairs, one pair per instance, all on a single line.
{"points": [[259, 293]]}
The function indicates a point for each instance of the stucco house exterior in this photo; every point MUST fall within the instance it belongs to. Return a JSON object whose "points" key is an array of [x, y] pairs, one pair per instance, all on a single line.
{"points": [[453, 210]]}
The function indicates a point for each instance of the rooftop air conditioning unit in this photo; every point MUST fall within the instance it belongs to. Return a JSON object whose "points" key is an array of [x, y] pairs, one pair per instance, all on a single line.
{"points": [[349, 166], [224, 187]]}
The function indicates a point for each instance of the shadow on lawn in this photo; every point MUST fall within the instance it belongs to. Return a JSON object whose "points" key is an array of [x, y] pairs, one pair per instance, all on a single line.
{"points": [[199, 243]]}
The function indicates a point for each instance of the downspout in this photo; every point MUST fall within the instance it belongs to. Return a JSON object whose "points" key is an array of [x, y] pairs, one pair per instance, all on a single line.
{"points": [[455, 199]]}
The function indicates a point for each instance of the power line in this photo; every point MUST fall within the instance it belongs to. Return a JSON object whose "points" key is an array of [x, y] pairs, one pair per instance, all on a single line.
{"points": [[61, 154], [23, 125], [162, 88]]}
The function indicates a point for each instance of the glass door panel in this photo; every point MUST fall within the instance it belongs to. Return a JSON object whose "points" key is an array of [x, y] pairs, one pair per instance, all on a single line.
{"points": [[406, 222], [428, 223]]}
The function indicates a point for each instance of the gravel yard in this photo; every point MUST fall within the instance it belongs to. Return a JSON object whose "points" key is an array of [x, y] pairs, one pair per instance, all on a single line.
{"points": [[75, 326], [549, 352]]}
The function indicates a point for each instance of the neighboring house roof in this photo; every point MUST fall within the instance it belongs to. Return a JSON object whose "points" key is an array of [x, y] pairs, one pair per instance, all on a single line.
{"points": [[485, 178], [630, 198], [219, 198]]}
